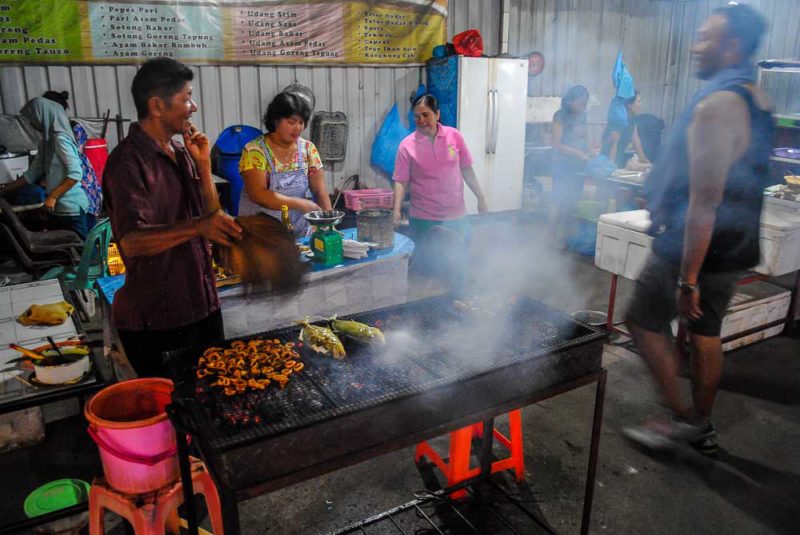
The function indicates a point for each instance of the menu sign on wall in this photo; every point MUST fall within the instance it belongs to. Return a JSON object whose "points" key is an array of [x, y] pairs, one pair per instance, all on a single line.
{"points": [[224, 31]]}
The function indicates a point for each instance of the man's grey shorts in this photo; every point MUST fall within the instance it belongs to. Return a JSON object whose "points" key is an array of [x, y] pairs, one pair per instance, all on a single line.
{"points": [[655, 305]]}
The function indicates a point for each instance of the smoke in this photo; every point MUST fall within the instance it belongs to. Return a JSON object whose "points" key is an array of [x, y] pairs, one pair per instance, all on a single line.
{"points": [[507, 263]]}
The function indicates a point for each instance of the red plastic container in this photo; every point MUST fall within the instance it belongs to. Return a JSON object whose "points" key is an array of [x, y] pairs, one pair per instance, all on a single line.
{"points": [[136, 439], [359, 199], [96, 150]]}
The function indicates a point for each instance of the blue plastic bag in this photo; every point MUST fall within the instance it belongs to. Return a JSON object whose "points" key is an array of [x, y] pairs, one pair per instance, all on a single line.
{"points": [[384, 148], [599, 167], [584, 241], [622, 79]]}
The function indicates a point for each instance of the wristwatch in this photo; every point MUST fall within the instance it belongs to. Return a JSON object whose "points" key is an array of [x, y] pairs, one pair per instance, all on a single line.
{"points": [[687, 288]]}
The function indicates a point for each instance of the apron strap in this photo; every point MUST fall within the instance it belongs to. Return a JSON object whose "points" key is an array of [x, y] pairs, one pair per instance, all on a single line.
{"points": [[267, 154]]}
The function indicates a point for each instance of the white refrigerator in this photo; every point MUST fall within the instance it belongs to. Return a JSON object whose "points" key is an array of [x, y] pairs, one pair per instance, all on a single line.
{"points": [[490, 109]]}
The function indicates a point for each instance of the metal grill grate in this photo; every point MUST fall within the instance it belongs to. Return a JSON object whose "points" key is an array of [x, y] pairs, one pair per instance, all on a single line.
{"points": [[429, 344]]}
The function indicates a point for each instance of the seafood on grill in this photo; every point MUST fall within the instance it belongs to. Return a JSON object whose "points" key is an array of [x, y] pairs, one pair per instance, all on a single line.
{"points": [[249, 366], [321, 339], [360, 332]]}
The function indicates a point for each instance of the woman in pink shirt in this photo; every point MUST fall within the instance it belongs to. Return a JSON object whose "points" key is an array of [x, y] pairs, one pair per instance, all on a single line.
{"points": [[434, 163]]}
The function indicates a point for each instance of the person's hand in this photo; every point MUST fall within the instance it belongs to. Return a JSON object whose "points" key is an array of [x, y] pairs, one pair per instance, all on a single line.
{"points": [[586, 156], [482, 207], [307, 205], [220, 228], [197, 144], [397, 217], [50, 203], [689, 305]]}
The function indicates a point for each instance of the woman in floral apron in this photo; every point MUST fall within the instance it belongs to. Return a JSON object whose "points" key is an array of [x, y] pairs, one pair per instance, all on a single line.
{"points": [[280, 167]]}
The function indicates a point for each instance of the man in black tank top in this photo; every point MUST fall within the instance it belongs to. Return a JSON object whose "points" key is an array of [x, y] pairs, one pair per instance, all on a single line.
{"points": [[705, 206]]}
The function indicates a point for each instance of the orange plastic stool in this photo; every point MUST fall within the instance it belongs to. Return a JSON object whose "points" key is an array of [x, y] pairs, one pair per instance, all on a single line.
{"points": [[457, 468], [148, 513]]}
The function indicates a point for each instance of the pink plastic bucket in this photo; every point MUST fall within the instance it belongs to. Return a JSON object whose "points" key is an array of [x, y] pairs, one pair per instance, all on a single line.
{"points": [[137, 445]]}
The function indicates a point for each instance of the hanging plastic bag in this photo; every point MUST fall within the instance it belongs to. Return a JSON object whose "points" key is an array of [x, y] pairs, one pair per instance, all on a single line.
{"points": [[384, 148], [469, 43], [599, 167]]}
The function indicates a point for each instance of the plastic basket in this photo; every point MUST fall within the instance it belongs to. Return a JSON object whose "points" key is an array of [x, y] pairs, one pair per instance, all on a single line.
{"points": [[115, 265], [359, 199]]}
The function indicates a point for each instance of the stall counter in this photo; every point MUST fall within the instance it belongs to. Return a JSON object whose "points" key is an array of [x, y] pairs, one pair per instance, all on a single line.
{"points": [[354, 286]]}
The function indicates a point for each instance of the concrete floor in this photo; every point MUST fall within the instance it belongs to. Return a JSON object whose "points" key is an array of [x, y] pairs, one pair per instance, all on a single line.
{"points": [[753, 486]]}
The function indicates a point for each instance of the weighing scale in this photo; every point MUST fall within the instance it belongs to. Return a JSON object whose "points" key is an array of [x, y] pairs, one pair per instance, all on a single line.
{"points": [[326, 242]]}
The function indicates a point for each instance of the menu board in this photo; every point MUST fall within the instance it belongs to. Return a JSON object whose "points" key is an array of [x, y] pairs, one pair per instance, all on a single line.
{"points": [[224, 31]]}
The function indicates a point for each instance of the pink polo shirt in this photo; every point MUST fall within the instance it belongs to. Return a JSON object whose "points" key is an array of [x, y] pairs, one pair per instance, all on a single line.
{"points": [[433, 173]]}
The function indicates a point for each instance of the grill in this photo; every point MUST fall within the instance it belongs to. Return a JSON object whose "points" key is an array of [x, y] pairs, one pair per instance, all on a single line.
{"points": [[440, 367]]}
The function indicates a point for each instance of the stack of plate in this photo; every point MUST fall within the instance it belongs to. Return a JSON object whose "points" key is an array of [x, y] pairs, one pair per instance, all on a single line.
{"points": [[356, 249]]}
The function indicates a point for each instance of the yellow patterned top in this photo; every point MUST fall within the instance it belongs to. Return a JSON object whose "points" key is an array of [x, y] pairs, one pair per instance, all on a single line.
{"points": [[254, 157]]}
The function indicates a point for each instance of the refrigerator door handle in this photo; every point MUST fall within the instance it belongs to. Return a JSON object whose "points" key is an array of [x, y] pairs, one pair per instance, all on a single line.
{"points": [[495, 119], [490, 121]]}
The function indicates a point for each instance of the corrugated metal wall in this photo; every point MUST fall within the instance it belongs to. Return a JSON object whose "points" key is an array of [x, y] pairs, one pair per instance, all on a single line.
{"points": [[239, 95], [580, 40]]}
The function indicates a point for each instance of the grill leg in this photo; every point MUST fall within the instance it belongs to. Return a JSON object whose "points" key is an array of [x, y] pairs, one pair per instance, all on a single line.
{"points": [[612, 299], [230, 512], [186, 480], [486, 447], [594, 448]]}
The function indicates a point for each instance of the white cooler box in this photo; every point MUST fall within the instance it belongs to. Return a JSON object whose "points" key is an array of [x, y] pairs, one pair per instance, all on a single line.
{"points": [[780, 241], [623, 245], [753, 305]]}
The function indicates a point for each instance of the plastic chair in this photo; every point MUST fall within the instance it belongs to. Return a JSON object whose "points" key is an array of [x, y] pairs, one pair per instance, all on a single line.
{"points": [[149, 513], [80, 280], [37, 243], [457, 467], [33, 264]]}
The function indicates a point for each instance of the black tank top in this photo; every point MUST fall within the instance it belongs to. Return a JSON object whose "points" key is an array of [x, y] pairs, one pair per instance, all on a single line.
{"points": [[734, 242]]}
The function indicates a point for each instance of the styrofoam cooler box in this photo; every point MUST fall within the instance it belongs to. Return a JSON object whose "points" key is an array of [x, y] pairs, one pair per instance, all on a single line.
{"points": [[623, 244], [751, 306], [780, 241]]}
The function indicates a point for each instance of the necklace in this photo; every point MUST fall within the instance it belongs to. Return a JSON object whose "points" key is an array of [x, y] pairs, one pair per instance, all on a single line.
{"points": [[284, 153]]}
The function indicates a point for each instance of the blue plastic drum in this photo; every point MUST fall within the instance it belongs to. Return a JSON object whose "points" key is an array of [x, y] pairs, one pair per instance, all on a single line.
{"points": [[228, 151]]}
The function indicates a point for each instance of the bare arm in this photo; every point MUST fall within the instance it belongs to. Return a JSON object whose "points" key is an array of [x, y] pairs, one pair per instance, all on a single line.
{"points": [[472, 181], [58, 191], [316, 181], [613, 145], [637, 146], [558, 134], [153, 240], [399, 195], [199, 148], [718, 135], [216, 226], [207, 186], [255, 184], [11, 187]]}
